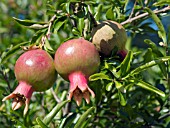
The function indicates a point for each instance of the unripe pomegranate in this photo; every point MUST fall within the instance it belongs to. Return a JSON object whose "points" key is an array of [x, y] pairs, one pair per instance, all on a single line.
{"points": [[35, 71], [75, 60], [107, 35]]}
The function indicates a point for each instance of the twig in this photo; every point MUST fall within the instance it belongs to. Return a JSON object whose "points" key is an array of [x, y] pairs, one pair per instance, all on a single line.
{"points": [[145, 14], [132, 10], [55, 96], [47, 36]]}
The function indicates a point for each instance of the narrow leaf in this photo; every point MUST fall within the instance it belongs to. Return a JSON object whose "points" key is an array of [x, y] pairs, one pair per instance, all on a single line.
{"points": [[157, 53], [59, 24], [76, 32], [42, 125], [118, 84], [98, 12], [110, 14], [121, 98], [13, 50], [162, 3], [125, 65], [154, 47], [149, 87], [68, 121], [158, 22], [29, 23], [99, 76], [81, 25], [54, 111], [147, 65], [83, 117], [109, 86], [36, 36]]}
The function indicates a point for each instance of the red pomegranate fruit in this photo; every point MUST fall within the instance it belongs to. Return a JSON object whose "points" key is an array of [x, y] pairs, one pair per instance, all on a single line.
{"points": [[75, 60], [35, 71], [108, 34]]}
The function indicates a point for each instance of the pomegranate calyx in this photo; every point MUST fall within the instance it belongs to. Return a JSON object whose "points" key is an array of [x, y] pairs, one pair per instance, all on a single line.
{"points": [[79, 88], [21, 95]]}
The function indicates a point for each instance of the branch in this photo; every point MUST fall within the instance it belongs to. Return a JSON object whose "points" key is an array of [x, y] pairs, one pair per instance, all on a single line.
{"points": [[144, 15], [55, 96], [47, 36], [132, 10]]}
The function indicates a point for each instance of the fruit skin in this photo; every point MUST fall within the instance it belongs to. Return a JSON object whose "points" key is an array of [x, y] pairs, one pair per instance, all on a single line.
{"points": [[108, 34], [75, 60], [36, 67], [35, 71]]}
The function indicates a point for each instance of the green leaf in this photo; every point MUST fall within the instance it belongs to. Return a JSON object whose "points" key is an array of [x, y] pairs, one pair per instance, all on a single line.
{"points": [[109, 86], [11, 51], [48, 47], [76, 32], [42, 125], [148, 87], [148, 55], [125, 65], [83, 117], [85, 124], [31, 24], [81, 25], [59, 24], [157, 53], [161, 32], [154, 47], [98, 12], [147, 65], [162, 3], [110, 14], [118, 84], [67, 6], [36, 36], [68, 121], [121, 99], [99, 76], [48, 118]]}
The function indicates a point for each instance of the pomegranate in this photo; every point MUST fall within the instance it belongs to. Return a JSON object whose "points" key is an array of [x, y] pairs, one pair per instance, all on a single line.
{"points": [[35, 71], [75, 60], [107, 35]]}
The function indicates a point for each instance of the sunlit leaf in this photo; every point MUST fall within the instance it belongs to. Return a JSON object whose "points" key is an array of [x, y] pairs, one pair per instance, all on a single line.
{"points": [[149, 87], [29, 23], [83, 117], [41, 124], [121, 99], [118, 84], [54, 111], [162, 32], [156, 53], [68, 121], [147, 65], [98, 12], [110, 14], [59, 24], [162, 3], [125, 65], [99, 76], [81, 25], [109, 86]]}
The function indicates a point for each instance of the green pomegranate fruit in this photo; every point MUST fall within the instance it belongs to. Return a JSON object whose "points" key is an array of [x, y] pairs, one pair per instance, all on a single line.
{"points": [[108, 34]]}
